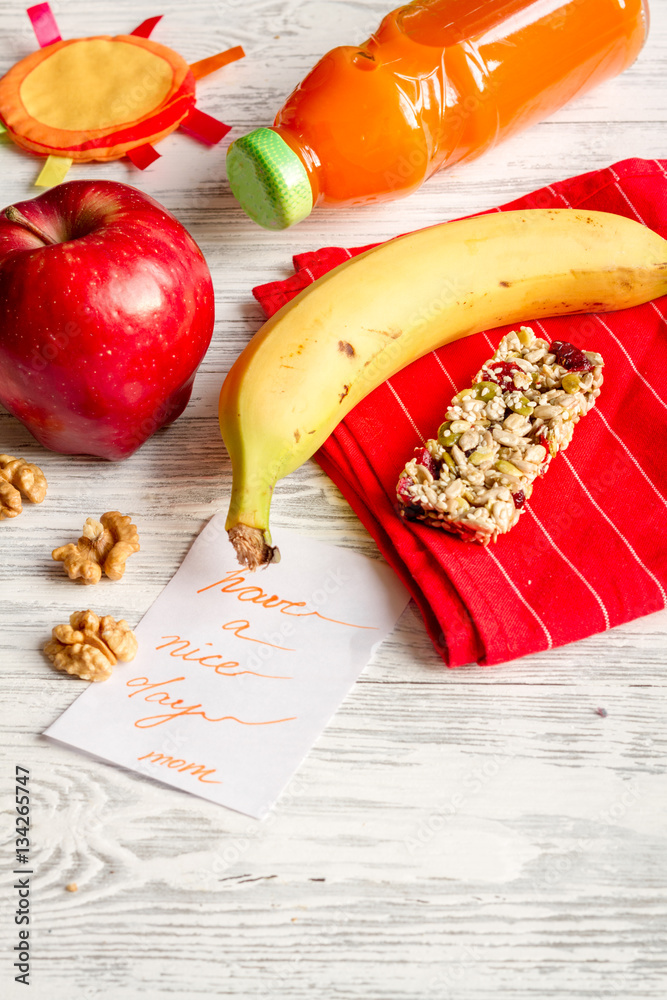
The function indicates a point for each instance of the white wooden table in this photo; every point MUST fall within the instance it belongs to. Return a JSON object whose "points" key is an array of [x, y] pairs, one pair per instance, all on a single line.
{"points": [[479, 834]]}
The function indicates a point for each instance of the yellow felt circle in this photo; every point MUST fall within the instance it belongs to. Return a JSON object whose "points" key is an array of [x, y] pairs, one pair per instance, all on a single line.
{"points": [[95, 83]]}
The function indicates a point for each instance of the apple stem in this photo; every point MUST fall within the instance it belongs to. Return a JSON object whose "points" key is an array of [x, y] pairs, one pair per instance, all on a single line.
{"points": [[19, 219]]}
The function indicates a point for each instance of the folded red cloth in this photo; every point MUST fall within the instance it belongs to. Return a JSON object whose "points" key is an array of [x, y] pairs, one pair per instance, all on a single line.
{"points": [[591, 551]]}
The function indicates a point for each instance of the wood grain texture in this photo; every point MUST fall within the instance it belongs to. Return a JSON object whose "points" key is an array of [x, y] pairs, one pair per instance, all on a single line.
{"points": [[479, 834]]}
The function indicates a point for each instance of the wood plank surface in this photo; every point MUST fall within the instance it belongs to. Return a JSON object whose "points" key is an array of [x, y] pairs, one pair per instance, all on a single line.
{"points": [[478, 834]]}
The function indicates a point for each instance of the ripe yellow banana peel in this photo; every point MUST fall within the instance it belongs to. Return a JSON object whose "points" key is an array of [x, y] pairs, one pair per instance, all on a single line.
{"points": [[365, 320]]}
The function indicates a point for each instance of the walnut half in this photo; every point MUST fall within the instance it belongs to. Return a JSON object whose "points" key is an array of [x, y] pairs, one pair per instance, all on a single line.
{"points": [[19, 477], [104, 545], [10, 501], [89, 646]]}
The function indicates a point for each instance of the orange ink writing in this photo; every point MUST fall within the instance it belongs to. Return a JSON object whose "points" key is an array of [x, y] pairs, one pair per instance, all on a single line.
{"points": [[241, 625], [181, 650], [235, 583], [198, 771], [175, 707]]}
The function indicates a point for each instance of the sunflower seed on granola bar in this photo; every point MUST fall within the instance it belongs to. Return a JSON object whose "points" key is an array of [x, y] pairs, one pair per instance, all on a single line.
{"points": [[499, 436]]}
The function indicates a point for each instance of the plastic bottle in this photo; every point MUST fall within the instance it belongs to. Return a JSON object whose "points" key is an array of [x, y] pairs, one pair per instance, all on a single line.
{"points": [[439, 82]]}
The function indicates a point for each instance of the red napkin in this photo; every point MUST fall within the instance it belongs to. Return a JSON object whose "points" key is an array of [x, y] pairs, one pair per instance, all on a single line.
{"points": [[591, 550]]}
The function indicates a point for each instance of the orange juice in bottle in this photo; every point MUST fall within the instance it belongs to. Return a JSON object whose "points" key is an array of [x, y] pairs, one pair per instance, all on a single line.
{"points": [[439, 82]]}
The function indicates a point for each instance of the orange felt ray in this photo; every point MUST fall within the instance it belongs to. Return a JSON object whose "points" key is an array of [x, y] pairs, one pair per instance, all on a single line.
{"points": [[205, 66]]}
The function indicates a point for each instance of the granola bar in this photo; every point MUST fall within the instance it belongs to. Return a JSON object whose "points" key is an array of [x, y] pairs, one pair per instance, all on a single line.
{"points": [[499, 436]]}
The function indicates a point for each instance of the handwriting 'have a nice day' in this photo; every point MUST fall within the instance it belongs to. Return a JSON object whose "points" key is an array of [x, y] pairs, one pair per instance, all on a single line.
{"points": [[238, 673]]}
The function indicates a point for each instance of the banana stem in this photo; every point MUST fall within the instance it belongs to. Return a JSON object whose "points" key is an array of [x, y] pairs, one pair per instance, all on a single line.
{"points": [[252, 546], [248, 517]]}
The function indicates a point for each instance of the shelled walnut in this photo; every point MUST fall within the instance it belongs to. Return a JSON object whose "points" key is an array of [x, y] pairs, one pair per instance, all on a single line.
{"points": [[19, 477], [104, 545], [10, 501], [91, 646]]}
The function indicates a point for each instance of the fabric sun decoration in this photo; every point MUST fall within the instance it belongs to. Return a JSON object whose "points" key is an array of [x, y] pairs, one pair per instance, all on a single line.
{"points": [[103, 98]]}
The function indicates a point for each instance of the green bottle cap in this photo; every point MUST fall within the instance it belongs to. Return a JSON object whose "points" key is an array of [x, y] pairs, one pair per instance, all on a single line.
{"points": [[269, 180]]}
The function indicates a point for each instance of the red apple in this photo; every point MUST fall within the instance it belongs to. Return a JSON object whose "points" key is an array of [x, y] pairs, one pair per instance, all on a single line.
{"points": [[106, 310]]}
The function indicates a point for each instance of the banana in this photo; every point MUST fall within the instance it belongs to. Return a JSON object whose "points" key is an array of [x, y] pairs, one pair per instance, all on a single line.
{"points": [[371, 316]]}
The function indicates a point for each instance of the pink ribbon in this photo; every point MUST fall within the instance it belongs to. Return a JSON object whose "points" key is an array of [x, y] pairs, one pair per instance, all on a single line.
{"points": [[44, 24]]}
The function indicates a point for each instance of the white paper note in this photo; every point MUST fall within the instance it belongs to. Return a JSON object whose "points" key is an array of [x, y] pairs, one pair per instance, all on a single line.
{"points": [[238, 673]]}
